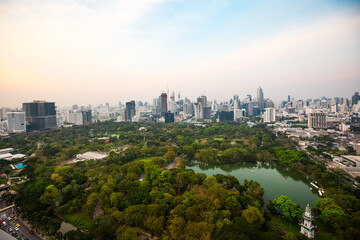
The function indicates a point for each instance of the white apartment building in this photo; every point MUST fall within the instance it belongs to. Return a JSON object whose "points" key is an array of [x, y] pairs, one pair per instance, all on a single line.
{"points": [[269, 115], [16, 122]]}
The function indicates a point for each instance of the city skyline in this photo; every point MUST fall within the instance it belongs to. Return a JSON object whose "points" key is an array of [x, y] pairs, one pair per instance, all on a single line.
{"points": [[90, 52]]}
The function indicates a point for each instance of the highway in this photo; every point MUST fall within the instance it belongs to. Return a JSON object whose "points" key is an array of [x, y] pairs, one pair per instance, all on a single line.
{"points": [[8, 223]]}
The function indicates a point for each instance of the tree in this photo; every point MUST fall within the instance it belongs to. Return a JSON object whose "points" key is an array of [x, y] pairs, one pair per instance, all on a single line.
{"points": [[51, 196], [176, 227], [169, 156], [199, 230], [254, 190], [134, 215], [155, 224], [290, 210], [253, 215]]}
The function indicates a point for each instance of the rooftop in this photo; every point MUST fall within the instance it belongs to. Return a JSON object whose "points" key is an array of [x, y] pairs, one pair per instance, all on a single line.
{"points": [[6, 150], [5, 236], [91, 155]]}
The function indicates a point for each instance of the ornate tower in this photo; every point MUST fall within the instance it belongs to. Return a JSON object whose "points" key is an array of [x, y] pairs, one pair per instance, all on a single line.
{"points": [[307, 228]]}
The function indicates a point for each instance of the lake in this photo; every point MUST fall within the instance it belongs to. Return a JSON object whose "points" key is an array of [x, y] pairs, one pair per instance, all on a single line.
{"points": [[274, 178]]}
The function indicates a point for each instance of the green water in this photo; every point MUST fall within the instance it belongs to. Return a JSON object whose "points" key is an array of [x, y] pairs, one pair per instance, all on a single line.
{"points": [[275, 179]]}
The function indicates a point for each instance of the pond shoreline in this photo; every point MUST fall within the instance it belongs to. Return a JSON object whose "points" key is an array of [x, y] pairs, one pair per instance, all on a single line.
{"points": [[275, 178]]}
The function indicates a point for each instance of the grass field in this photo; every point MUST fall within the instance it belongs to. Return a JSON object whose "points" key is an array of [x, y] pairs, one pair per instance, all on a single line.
{"points": [[320, 232], [79, 219], [218, 139], [147, 159]]}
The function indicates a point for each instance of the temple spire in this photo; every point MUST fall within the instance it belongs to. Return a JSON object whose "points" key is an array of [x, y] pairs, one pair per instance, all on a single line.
{"points": [[307, 228]]}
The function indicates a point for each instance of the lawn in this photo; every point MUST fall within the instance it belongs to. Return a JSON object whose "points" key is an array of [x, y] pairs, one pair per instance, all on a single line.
{"points": [[147, 159], [79, 219], [218, 139], [320, 232]]}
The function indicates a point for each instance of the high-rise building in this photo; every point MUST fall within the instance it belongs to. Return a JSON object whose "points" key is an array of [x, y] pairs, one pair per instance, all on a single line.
{"points": [[16, 122], [260, 98], [344, 101], [250, 109], [87, 117], [355, 98], [317, 120], [75, 117], [3, 112], [169, 117], [226, 116], [163, 103], [207, 112], [269, 103], [334, 107], [188, 109], [238, 114], [40, 115], [288, 98], [323, 103], [236, 104], [203, 100], [269, 115], [198, 111], [130, 110]]}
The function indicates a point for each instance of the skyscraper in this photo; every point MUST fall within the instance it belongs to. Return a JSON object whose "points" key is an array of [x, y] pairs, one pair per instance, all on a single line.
{"points": [[40, 115], [198, 111], [355, 98], [260, 98], [203, 100], [163, 103], [129, 110]]}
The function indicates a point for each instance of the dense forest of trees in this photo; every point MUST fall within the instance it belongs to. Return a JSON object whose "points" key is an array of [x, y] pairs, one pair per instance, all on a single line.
{"points": [[131, 195]]}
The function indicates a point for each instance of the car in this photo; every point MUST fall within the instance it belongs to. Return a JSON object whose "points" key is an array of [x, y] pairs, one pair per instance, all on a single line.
{"points": [[18, 225], [1, 220], [4, 223], [17, 229], [9, 218], [10, 229], [15, 234], [15, 218], [31, 231]]}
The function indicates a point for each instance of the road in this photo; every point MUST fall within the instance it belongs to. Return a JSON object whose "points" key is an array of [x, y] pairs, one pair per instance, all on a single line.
{"points": [[23, 231], [171, 165]]}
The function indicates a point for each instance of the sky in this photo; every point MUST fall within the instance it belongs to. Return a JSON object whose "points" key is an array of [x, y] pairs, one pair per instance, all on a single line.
{"points": [[92, 51]]}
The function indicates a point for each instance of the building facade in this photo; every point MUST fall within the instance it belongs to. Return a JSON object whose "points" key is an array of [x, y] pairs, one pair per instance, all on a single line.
{"points": [[317, 120], [169, 117], [269, 115], [163, 103], [130, 111], [40, 115], [16, 122], [260, 98]]}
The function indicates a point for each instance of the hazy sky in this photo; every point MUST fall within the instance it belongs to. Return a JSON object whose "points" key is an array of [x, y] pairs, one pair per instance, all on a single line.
{"points": [[93, 51]]}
